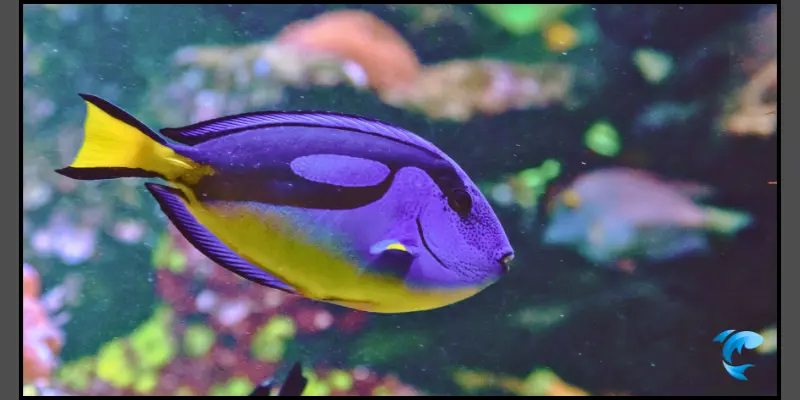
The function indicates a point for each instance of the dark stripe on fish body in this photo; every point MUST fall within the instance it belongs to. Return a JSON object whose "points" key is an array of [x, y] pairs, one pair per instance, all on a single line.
{"points": [[295, 193], [256, 167]]}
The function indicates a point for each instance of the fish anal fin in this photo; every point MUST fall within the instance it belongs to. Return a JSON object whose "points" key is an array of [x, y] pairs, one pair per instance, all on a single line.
{"points": [[173, 204]]}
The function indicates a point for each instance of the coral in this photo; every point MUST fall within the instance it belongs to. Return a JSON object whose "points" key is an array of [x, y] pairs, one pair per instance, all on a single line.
{"points": [[363, 52], [211, 81], [41, 338], [459, 89], [217, 334], [423, 16], [387, 60], [540, 382], [525, 187], [522, 19], [603, 138]]}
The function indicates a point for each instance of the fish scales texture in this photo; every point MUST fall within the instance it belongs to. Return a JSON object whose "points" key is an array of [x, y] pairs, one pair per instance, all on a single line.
{"points": [[338, 208]]}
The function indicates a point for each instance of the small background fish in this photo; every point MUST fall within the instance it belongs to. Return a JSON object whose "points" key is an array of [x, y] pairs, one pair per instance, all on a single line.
{"points": [[616, 216]]}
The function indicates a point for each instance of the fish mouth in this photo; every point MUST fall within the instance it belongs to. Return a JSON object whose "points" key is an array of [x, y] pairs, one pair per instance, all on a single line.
{"points": [[505, 261], [425, 243]]}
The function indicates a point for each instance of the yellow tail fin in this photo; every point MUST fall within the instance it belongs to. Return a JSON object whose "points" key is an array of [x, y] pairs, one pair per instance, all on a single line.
{"points": [[116, 145]]}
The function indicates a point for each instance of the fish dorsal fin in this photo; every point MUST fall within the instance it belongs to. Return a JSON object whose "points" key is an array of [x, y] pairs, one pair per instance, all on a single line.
{"points": [[215, 128]]}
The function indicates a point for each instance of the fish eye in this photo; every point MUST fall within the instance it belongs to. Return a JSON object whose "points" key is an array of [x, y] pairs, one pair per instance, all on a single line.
{"points": [[460, 201]]}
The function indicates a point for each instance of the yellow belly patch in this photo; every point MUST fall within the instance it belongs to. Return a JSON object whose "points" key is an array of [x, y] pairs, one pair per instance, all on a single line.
{"points": [[270, 243]]}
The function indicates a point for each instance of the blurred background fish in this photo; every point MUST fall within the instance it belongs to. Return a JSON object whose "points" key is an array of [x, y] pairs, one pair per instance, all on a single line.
{"points": [[617, 216]]}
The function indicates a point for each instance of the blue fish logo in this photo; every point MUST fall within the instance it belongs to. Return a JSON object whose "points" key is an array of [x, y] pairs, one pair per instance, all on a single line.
{"points": [[737, 341]]}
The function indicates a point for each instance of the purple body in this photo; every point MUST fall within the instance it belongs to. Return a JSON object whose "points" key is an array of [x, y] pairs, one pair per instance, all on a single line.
{"points": [[350, 183]]}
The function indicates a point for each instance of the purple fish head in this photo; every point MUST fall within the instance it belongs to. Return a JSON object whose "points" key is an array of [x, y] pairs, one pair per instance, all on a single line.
{"points": [[465, 242]]}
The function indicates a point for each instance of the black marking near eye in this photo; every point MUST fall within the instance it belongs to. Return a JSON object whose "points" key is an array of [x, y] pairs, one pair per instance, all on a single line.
{"points": [[296, 192], [257, 167]]}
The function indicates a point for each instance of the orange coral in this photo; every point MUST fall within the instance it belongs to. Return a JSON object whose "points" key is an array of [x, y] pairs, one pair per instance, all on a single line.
{"points": [[41, 341], [387, 60]]}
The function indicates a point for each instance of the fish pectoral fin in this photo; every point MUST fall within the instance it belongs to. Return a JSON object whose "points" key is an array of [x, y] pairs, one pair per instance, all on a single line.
{"points": [[174, 205], [392, 258]]}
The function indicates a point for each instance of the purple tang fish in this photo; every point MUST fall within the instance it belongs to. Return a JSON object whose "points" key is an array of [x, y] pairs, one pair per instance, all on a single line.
{"points": [[333, 207]]}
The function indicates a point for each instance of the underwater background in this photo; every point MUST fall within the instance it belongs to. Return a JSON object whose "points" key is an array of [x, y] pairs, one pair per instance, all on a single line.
{"points": [[526, 98]]}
